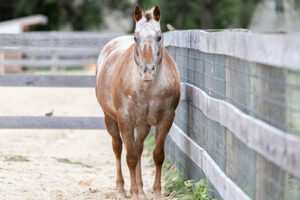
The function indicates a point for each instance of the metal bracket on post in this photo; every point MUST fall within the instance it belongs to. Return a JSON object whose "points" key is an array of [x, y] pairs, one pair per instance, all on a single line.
{"points": [[2, 57]]}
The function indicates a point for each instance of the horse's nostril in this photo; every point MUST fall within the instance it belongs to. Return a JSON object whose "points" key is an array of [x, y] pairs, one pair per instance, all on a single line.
{"points": [[145, 69], [152, 67]]}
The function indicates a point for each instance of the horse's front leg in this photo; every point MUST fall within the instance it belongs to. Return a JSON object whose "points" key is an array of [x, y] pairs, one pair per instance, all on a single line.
{"points": [[142, 132], [161, 132], [127, 130]]}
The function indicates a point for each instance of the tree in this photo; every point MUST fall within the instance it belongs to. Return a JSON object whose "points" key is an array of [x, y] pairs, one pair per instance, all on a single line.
{"points": [[88, 14], [79, 15], [204, 14]]}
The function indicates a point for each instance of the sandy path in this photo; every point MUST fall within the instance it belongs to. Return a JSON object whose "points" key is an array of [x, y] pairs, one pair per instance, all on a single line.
{"points": [[90, 174]]}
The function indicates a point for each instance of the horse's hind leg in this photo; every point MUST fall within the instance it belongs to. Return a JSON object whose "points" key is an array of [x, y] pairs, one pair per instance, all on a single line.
{"points": [[113, 130], [142, 132]]}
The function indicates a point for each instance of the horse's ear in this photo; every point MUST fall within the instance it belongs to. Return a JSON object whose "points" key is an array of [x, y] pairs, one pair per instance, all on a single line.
{"points": [[156, 13], [138, 13]]}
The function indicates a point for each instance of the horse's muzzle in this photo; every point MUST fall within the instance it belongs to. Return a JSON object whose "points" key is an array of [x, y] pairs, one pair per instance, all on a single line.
{"points": [[148, 72]]}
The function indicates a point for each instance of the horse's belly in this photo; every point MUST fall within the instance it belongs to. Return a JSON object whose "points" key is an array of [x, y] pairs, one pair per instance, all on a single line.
{"points": [[105, 70]]}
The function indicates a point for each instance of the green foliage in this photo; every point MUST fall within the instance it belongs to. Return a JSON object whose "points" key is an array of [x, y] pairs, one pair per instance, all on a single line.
{"points": [[67, 161], [198, 189], [88, 14], [175, 183], [149, 143], [186, 190], [228, 13], [16, 159], [79, 15], [200, 14]]}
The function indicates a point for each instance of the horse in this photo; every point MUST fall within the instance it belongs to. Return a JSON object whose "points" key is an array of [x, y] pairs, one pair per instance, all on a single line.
{"points": [[138, 86]]}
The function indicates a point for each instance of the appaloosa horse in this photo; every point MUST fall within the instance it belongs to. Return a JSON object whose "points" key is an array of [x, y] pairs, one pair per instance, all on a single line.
{"points": [[138, 87]]}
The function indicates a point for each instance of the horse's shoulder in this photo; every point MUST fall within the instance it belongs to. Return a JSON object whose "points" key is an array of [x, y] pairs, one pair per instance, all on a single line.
{"points": [[123, 71]]}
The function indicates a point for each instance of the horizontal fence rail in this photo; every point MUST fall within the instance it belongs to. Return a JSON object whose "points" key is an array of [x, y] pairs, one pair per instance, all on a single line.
{"points": [[278, 50], [56, 40], [25, 80], [31, 122], [42, 63]]}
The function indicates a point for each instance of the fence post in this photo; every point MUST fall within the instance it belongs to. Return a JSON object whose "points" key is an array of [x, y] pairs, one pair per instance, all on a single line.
{"points": [[2, 67], [53, 59], [33, 58], [268, 175], [240, 160]]}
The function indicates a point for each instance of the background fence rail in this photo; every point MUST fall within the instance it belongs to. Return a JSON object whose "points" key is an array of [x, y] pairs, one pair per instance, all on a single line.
{"points": [[51, 49]]}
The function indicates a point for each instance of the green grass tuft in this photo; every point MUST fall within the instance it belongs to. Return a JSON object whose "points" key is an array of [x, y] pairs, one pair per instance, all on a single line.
{"points": [[67, 161], [17, 159], [175, 183], [149, 144]]}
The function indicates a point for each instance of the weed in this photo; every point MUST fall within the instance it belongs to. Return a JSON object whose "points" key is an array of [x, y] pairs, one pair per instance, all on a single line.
{"points": [[17, 159], [198, 189], [67, 161], [175, 183]]}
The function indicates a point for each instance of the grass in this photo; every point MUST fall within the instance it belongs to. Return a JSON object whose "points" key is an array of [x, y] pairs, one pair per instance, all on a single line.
{"points": [[175, 183], [17, 158], [67, 161]]}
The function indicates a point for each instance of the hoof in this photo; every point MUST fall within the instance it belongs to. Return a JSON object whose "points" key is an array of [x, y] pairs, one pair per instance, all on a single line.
{"points": [[134, 197], [142, 196], [121, 194], [156, 196]]}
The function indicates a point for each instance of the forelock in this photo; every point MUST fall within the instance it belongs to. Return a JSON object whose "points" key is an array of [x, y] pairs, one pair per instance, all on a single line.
{"points": [[149, 14]]}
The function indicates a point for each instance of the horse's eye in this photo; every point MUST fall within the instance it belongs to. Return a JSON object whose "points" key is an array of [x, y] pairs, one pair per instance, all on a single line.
{"points": [[135, 38], [158, 38]]}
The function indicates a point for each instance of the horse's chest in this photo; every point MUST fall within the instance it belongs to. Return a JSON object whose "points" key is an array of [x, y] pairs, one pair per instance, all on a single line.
{"points": [[148, 111]]}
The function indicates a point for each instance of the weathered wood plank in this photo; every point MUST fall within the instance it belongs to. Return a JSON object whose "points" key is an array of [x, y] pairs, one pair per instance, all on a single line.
{"points": [[279, 50], [22, 80], [35, 122], [55, 39], [49, 62], [62, 51]]}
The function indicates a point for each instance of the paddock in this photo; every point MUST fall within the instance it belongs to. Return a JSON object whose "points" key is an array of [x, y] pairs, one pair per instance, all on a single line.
{"points": [[237, 123], [60, 164]]}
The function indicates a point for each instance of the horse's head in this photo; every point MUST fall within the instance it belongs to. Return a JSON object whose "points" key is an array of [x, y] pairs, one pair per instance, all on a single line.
{"points": [[148, 41]]}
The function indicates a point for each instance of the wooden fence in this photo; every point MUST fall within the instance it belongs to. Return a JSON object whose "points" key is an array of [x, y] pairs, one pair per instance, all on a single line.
{"points": [[51, 49], [69, 49], [238, 119], [238, 122]]}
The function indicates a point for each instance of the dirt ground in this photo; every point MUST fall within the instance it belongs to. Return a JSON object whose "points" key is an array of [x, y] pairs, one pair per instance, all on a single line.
{"points": [[58, 164]]}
